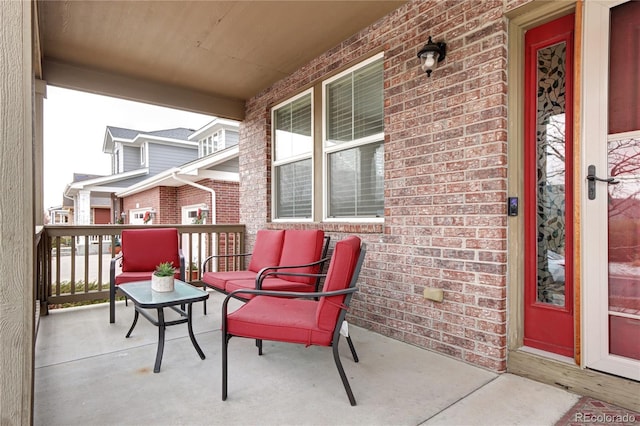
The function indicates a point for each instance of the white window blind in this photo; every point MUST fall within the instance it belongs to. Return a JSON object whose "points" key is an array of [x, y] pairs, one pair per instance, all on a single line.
{"points": [[354, 104], [356, 182], [353, 146], [294, 190], [293, 146]]}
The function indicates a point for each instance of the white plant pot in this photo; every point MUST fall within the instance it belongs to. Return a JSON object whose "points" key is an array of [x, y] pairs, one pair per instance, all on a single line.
{"points": [[162, 284]]}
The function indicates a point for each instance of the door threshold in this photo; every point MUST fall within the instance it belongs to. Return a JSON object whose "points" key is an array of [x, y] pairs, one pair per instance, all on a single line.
{"points": [[545, 354]]}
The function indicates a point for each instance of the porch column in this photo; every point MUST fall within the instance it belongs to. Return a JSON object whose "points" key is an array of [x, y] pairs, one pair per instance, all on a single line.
{"points": [[83, 207], [38, 152], [17, 302]]}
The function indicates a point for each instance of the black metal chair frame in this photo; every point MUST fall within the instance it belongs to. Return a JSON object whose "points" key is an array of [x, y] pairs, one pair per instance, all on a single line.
{"points": [[315, 295]]}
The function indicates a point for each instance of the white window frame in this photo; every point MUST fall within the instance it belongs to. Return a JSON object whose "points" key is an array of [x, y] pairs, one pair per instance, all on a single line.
{"points": [[327, 150], [275, 163]]}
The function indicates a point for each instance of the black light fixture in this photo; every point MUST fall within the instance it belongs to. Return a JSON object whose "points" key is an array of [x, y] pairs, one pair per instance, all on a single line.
{"points": [[431, 54]]}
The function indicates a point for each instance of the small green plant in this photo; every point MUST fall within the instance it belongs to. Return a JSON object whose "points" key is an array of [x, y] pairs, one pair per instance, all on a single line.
{"points": [[165, 269]]}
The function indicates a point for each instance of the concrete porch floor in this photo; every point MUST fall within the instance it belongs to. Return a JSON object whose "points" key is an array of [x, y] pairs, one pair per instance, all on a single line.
{"points": [[88, 373]]}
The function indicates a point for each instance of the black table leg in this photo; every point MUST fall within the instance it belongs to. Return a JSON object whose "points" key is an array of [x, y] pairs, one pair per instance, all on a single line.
{"points": [[135, 321], [191, 336], [161, 327]]}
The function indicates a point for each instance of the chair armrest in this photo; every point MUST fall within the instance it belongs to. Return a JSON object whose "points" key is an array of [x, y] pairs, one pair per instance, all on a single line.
{"points": [[260, 277], [204, 263], [112, 268], [182, 265], [290, 294], [263, 272]]}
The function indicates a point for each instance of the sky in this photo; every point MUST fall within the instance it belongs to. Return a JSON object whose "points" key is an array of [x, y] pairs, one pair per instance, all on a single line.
{"points": [[74, 127]]}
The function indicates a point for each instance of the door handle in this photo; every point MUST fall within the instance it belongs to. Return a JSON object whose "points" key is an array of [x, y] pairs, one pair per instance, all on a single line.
{"points": [[592, 178]]}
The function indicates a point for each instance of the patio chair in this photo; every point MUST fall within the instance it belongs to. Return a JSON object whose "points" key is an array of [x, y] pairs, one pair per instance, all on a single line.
{"points": [[142, 251], [298, 317], [293, 250]]}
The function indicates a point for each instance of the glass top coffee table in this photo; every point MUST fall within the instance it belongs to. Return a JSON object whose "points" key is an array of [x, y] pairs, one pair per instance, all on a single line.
{"points": [[144, 298]]}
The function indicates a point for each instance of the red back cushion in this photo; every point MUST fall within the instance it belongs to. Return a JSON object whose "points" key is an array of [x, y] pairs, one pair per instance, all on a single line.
{"points": [[343, 262], [300, 247], [267, 249], [144, 249]]}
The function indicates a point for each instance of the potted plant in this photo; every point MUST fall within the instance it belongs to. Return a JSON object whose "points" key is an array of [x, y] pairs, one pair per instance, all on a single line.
{"points": [[192, 271], [162, 279], [116, 247]]}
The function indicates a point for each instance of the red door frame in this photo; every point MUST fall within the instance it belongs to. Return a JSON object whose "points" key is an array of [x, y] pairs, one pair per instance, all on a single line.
{"points": [[547, 327]]}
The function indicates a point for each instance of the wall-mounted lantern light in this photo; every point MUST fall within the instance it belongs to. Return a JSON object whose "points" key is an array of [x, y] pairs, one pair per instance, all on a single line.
{"points": [[431, 54], [152, 213]]}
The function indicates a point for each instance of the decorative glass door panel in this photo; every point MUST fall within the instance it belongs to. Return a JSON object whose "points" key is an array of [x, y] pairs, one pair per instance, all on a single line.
{"points": [[549, 187]]}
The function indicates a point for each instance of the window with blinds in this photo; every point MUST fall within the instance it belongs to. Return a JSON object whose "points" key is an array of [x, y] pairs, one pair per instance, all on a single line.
{"points": [[353, 142], [292, 152]]}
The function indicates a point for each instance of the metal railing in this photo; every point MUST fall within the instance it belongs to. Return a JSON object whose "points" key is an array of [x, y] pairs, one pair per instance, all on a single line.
{"points": [[72, 262]]}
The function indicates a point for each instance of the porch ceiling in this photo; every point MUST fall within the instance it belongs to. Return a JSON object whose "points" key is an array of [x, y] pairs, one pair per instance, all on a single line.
{"points": [[204, 56]]}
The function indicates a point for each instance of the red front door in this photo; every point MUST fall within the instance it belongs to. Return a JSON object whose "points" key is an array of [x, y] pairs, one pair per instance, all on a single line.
{"points": [[548, 320]]}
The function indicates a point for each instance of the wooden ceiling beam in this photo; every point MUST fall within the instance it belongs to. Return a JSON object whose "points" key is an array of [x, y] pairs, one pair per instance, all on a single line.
{"points": [[134, 89]]}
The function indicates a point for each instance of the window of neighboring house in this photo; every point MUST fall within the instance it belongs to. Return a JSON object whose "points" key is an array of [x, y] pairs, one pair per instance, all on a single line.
{"points": [[292, 153], [212, 143], [353, 137], [141, 216], [217, 139]]}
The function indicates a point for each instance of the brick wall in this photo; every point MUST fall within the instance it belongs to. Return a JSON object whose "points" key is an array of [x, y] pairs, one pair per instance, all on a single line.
{"points": [[149, 198], [168, 201], [445, 178], [227, 199]]}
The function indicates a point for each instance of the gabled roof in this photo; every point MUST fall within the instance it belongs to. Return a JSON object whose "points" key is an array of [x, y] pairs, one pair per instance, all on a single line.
{"points": [[101, 181], [177, 133], [213, 126], [79, 177], [120, 134]]}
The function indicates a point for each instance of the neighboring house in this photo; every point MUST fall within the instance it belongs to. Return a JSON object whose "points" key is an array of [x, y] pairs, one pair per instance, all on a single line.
{"points": [[58, 215], [207, 184], [90, 205], [163, 177]]}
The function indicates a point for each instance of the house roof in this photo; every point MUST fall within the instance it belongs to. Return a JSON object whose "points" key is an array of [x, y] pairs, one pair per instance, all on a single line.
{"points": [[113, 133], [177, 133], [202, 56], [121, 133], [79, 177], [221, 165]]}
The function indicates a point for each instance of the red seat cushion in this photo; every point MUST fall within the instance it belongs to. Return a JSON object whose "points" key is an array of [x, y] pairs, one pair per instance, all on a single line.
{"points": [[294, 321], [274, 284], [266, 250], [219, 280], [144, 249], [301, 247]]}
